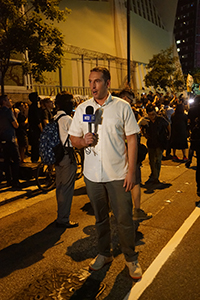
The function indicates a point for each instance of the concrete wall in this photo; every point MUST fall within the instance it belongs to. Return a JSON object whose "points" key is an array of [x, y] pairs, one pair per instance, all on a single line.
{"points": [[147, 39]]}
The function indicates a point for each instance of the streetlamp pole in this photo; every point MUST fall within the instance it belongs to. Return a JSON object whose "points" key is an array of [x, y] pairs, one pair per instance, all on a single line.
{"points": [[128, 44]]}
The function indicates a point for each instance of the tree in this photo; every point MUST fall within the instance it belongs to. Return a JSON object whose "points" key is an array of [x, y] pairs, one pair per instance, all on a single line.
{"points": [[196, 75], [165, 72], [26, 27]]}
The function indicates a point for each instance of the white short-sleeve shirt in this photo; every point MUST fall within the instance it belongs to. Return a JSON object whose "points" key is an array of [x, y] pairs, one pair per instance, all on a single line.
{"points": [[64, 123], [107, 161]]}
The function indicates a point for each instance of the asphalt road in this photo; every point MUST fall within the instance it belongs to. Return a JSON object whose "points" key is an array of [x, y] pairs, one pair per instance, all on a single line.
{"points": [[40, 261]]}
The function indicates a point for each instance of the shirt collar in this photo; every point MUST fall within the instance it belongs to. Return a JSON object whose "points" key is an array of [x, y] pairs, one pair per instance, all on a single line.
{"points": [[108, 100], [59, 112]]}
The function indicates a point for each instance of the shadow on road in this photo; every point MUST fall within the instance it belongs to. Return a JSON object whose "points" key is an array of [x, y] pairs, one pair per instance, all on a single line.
{"points": [[80, 191], [123, 284], [150, 188], [29, 251], [88, 209]]}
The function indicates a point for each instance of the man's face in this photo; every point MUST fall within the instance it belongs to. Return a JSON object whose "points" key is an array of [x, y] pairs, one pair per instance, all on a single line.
{"points": [[7, 102], [98, 85], [152, 115], [50, 104]]}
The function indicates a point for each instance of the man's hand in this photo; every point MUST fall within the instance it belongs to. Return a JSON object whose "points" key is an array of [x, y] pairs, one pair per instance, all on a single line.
{"points": [[90, 139], [130, 179], [129, 182]]}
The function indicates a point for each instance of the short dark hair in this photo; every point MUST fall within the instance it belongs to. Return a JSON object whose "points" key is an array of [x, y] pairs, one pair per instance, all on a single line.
{"points": [[3, 98], [18, 104], [105, 71], [150, 108], [115, 93], [64, 101], [33, 97], [126, 91], [179, 108]]}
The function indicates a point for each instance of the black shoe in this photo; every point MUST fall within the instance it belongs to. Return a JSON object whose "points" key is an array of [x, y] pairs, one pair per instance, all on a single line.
{"points": [[187, 164], [70, 224]]}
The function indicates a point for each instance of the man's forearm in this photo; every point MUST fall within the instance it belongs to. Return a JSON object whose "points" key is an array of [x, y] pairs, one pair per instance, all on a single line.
{"points": [[132, 152], [77, 142]]}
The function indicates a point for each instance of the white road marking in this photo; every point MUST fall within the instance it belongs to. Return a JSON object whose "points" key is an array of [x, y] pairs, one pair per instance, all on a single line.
{"points": [[163, 256]]}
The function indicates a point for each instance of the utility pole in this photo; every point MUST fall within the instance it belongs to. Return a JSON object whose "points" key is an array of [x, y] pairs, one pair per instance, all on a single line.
{"points": [[128, 44]]}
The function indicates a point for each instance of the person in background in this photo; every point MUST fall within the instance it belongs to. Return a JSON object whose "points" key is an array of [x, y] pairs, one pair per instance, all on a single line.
{"points": [[8, 124], [47, 106], [66, 169], [139, 214], [167, 112], [179, 132], [21, 131], [109, 171], [35, 126], [157, 131], [150, 96], [194, 122]]}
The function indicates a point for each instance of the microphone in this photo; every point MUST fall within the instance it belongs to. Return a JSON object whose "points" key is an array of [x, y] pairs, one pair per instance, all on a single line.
{"points": [[89, 117]]}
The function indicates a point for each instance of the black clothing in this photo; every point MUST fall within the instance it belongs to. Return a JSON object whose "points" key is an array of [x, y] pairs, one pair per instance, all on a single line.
{"points": [[150, 97], [21, 131], [11, 161], [179, 131], [34, 119], [7, 131], [9, 145], [155, 131], [194, 118]]}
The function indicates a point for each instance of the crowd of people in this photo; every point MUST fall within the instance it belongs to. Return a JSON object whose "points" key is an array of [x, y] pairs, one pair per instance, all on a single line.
{"points": [[112, 168]]}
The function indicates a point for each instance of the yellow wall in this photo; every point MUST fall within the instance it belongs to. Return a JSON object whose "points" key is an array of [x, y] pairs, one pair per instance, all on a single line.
{"points": [[90, 26]]}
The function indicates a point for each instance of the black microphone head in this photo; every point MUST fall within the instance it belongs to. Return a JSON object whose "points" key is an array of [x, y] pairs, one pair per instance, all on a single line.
{"points": [[89, 110]]}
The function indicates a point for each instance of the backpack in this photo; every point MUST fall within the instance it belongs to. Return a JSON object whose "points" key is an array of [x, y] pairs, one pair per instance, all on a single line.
{"points": [[50, 143]]}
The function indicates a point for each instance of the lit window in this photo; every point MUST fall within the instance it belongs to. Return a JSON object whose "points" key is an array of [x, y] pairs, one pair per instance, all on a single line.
{"points": [[178, 42]]}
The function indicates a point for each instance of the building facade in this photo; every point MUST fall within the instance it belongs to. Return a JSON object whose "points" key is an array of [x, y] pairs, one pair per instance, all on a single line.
{"points": [[96, 34], [187, 34]]}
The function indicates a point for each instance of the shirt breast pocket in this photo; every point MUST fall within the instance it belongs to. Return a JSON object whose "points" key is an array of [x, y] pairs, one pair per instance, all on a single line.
{"points": [[114, 126]]}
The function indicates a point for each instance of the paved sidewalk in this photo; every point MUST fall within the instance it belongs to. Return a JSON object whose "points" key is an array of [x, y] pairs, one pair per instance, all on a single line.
{"points": [[28, 184]]}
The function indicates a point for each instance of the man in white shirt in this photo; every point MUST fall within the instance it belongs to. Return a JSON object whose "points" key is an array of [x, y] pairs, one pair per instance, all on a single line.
{"points": [[109, 170]]}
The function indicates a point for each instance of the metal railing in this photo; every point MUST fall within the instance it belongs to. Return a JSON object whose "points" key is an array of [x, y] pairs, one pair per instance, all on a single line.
{"points": [[53, 90]]}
